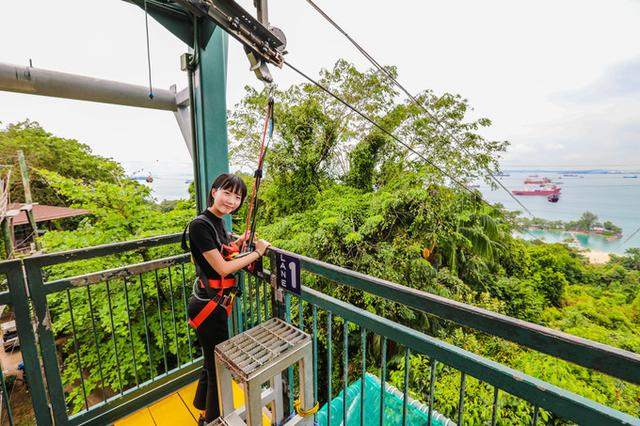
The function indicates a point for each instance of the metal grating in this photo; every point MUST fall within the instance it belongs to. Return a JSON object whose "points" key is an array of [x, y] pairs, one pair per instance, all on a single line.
{"points": [[259, 346], [218, 422]]}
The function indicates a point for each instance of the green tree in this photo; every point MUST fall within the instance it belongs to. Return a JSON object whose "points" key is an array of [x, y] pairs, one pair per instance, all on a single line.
{"points": [[609, 226], [137, 305], [319, 140], [66, 157], [586, 221]]}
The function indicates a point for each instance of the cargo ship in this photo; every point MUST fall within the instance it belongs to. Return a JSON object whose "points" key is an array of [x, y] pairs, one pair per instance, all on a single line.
{"points": [[532, 180], [537, 191]]}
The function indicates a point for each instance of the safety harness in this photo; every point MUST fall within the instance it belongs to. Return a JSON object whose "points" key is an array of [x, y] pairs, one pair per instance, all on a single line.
{"points": [[221, 291]]}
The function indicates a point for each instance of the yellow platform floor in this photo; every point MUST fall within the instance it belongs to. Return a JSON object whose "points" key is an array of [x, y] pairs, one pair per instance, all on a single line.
{"points": [[177, 409]]}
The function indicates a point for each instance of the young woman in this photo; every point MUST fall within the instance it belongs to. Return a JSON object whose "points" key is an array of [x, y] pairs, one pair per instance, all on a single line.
{"points": [[214, 289]]}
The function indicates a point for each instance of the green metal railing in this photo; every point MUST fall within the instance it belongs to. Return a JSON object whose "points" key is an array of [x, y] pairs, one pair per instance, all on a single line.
{"points": [[541, 395], [15, 297], [140, 327], [150, 362]]}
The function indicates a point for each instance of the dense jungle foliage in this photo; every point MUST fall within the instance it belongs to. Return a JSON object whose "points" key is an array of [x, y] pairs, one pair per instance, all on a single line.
{"points": [[343, 192]]}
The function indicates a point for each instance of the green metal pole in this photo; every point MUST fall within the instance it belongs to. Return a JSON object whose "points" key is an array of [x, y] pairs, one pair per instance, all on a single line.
{"points": [[22, 312], [6, 237], [211, 153]]}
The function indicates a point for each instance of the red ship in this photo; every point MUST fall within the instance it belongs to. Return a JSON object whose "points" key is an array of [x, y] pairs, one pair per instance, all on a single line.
{"points": [[537, 191], [531, 181]]}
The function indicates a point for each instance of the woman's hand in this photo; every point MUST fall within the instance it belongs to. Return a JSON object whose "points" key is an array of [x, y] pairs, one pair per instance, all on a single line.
{"points": [[262, 246], [240, 240]]}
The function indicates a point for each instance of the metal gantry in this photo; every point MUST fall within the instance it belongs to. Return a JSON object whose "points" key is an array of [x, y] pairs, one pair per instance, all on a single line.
{"points": [[201, 108]]}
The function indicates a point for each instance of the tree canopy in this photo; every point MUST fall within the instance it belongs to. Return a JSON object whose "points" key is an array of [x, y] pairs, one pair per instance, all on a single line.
{"points": [[66, 157]]}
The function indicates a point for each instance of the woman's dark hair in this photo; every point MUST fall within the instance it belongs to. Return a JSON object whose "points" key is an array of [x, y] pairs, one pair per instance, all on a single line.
{"points": [[229, 182]]}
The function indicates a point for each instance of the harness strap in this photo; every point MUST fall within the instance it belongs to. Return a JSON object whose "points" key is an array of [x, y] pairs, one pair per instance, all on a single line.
{"points": [[203, 314], [230, 251], [219, 299], [219, 284]]}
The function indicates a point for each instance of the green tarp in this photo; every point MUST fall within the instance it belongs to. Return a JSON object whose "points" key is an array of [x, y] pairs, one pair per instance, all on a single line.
{"points": [[416, 411]]}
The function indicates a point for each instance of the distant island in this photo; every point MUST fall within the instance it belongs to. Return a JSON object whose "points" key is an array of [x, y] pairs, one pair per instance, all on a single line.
{"points": [[587, 224], [569, 173]]}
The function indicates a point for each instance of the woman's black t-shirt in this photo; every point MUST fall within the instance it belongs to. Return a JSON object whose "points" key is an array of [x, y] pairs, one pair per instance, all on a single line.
{"points": [[202, 239]]}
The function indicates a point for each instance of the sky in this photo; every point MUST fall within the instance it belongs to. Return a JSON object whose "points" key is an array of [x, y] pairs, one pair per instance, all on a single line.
{"points": [[559, 79]]}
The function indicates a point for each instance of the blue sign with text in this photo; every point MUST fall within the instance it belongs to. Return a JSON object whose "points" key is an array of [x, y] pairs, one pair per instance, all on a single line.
{"points": [[289, 273]]}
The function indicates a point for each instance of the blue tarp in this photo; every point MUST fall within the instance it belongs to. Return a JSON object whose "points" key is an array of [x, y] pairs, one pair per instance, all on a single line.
{"points": [[416, 412]]}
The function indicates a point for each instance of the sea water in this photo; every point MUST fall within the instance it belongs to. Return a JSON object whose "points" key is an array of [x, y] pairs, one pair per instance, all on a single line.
{"points": [[171, 179], [611, 196]]}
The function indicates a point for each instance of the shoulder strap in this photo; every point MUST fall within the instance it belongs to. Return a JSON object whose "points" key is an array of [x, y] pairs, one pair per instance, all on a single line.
{"points": [[183, 243], [211, 293], [203, 217], [206, 219]]}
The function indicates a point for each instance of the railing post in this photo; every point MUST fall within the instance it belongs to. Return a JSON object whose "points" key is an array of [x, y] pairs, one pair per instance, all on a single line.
{"points": [[46, 340], [28, 348], [277, 294]]}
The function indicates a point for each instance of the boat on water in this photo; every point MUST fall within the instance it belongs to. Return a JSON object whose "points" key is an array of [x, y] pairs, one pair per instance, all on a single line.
{"points": [[532, 180], [631, 177], [148, 178], [570, 175], [553, 198], [550, 190]]}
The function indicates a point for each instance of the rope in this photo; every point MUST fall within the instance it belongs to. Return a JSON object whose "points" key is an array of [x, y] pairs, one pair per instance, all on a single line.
{"points": [[146, 25], [249, 229], [306, 413]]}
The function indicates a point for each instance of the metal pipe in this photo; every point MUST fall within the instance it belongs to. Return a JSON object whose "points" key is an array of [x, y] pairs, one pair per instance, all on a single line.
{"points": [[36, 81]]}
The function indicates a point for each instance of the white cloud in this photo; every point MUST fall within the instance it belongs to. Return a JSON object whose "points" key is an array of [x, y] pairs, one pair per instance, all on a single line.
{"points": [[510, 59]]}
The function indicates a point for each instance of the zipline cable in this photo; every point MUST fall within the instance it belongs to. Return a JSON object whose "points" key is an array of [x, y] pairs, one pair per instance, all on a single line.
{"points": [[633, 234], [378, 126], [386, 72], [391, 135], [146, 25]]}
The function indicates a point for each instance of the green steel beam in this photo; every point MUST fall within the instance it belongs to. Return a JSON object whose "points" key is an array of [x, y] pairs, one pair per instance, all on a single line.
{"points": [[5, 298], [173, 18], [115, 273], [28, 348], [47, 341], [557, 400], [210, 154], [210, 81], [103, 250]]}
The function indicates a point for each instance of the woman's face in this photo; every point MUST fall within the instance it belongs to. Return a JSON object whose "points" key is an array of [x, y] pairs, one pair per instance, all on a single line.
{"points": [[225, 201]]}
